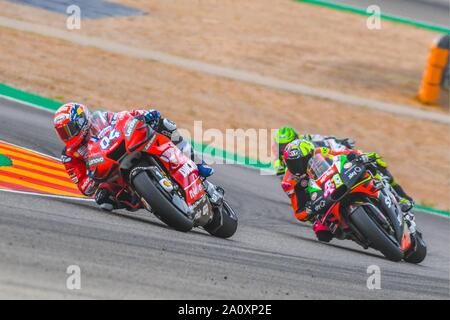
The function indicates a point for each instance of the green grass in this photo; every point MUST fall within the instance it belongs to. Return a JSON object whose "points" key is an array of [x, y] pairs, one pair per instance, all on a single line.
{"points": [[5, 161]]}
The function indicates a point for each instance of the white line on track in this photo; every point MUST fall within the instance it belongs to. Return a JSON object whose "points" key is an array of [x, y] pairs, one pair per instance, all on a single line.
{"points": [[28, 104]]}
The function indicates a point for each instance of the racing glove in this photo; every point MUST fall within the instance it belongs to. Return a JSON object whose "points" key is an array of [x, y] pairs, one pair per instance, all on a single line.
{"points": [[347, 142], [161, 125], [166, 127], [152, 117], [372, 157], [377, 159]]}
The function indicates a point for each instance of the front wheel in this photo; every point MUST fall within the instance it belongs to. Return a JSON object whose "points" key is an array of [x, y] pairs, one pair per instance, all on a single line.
{"points": [[377, 237], [224, 223], [164, 209]]}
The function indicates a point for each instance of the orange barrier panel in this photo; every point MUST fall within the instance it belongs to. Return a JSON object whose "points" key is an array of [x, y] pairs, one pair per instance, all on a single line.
{"points": [[433, 75]]}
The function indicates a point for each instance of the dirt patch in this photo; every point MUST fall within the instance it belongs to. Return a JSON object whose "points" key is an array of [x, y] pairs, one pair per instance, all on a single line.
{"points": [[281, 38], [418, 151]]}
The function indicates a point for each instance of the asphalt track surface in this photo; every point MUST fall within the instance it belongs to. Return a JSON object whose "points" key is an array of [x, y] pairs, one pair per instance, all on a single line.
{"points": [[128, 256], [430, 11]]}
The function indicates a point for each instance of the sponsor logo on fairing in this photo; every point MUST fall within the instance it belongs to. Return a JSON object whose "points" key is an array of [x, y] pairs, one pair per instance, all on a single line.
{"points": [[353, 173], [320, 205], [73, 177], [60, 118], [95, 161], [130, 127], [187, 168], [195, 190], [388, 202], [81, 152]]}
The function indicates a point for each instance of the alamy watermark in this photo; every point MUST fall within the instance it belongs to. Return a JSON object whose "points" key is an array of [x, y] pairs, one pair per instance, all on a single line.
{"points": [[374, 279], [374, 20], [73, 21], [73, 281], [233, 146]]}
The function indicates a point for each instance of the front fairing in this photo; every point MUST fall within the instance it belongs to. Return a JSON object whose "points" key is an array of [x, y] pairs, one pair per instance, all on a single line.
{"points": [[112, 140], [334, 183]]}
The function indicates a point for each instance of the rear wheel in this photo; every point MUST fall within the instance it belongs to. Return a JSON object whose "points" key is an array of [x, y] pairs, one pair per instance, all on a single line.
{"points": [[420, 250], [159, 201], [378, 238], [224, 223]]}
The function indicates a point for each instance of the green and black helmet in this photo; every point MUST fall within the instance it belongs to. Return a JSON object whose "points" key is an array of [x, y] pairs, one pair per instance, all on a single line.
{"points": [[283, 137], [297, 154]]}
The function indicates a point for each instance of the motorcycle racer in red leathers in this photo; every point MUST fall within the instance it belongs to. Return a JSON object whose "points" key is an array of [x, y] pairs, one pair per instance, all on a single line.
{"points": [[76, 126]]}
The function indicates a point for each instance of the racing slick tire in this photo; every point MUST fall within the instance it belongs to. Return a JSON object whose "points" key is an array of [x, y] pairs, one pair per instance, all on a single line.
{"points": [[377, 237], [160, 203]]}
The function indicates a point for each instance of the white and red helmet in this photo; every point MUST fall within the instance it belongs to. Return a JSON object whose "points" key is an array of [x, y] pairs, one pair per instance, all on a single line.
{"points": [[72, 123]]}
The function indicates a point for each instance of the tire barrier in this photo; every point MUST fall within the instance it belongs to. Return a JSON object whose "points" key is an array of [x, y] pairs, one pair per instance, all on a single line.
{"points": [[436, 74]]}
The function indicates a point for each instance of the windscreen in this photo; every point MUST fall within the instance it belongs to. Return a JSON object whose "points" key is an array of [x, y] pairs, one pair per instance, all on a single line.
{"points": [[99, 122], [317, 166]]}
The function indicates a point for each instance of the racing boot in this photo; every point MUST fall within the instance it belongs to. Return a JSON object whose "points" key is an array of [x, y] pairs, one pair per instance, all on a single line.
{"points": [[204, 170], [405, 201], [406, 205], [105, 200]]}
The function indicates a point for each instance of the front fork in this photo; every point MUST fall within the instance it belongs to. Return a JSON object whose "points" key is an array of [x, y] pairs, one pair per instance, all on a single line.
{"points": [[387, 189], [407, 226]]}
